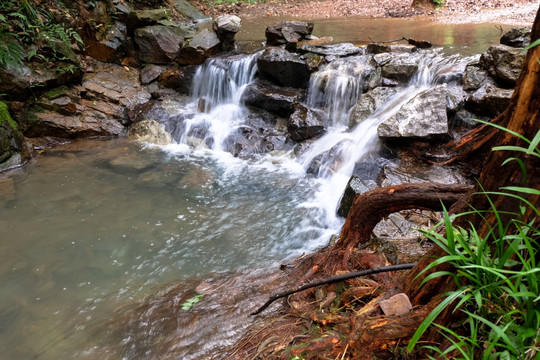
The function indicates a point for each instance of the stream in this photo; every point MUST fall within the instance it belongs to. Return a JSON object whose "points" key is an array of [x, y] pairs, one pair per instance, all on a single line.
{"points": [[95, 231]]}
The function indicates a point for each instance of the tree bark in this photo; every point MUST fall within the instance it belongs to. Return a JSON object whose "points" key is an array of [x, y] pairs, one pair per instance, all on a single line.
{"points": [[370, 208]]}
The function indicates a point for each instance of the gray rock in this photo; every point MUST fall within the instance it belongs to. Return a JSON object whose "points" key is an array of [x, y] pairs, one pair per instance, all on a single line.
{"points": [[503, 63], [368, 103], [159, 44], [203, 45], [283, 68], [518, 38], [142, 18], [150, 73], [400, 68], [15, 81], [474, 77], [378, 48], [96, 108], [226, 27], [305, 123], [110, 46], [455, 98], [396, 305], [189, 11], [149, 131], [274, 99], [339, 50], [489, 100], [179, 79], [424, 116], [287, 31]]}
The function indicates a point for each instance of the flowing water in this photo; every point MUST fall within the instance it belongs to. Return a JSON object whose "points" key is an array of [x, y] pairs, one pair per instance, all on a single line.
{"points": [[96, 229]]}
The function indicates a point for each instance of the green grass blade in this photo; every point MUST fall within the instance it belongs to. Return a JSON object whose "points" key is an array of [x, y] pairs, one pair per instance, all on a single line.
{"points": [[432, 316]]}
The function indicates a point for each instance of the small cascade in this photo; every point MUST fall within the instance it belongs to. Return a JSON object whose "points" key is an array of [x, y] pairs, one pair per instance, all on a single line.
{"points": [[216, 109], [336, 153], [336, 88]]}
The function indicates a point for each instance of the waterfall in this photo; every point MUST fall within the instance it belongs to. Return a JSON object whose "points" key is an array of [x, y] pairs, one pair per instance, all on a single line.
{"points": [[336, 88], [339, 150], [216, 109]]}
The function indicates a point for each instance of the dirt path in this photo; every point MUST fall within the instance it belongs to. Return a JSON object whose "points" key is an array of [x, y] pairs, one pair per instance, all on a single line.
{"points": [[510, 12]]}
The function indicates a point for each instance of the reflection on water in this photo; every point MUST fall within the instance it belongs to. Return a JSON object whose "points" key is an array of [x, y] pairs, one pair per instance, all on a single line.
{"points": [[95, 225], [469, 38]]}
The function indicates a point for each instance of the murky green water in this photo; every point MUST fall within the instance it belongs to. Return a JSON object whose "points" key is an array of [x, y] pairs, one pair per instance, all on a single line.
{"points": [[466, 38], [95, 225]]}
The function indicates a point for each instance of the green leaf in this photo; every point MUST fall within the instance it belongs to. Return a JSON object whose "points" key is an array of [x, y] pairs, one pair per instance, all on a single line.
{"points": [[522, 189], [536, 43], [432, 316], [533, 147], [192, 302]]}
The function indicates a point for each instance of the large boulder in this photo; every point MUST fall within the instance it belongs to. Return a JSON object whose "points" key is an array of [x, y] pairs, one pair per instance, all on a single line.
{"points": [[517, 37], [424, 117], [368, 103], [503, 63], [203, 45], [159, 44], [400, 68], [226, 27], [96, 108], [110, 46], [188, 11], [287, 31], [149, 131], [274, 99], [489, 100], [305, 123], [179, 78], [338, 50], [283, 68], [142, 18], [12, 144], [474, 77]]}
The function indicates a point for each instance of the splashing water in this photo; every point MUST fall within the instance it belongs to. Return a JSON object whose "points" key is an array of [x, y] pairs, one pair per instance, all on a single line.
{"points": [[339, 150], [216, 109]]}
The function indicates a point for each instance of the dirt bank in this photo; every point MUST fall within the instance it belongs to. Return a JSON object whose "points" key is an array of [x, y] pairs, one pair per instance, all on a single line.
{"points": [[510, 12]]}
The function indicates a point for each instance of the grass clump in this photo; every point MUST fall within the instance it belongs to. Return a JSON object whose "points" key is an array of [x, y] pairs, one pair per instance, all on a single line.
{"points": [[497, 279]]}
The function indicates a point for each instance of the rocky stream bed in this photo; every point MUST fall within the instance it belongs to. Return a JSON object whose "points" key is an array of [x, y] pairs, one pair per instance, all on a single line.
{"points": [[133, 77]]}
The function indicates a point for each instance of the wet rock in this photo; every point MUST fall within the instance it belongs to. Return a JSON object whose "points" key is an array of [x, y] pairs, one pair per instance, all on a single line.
{"points": [[338, 50], [96, 108], [396, 174], [189, 11], [455, 98], [12, 143], [368, 103], [305, 123], [517, 37], [474, 77], [503, 63], [150, 73], [159, 44], [287, 31], [396, 305], [203, 45], [378, 48], [274, 99], [424, 116], [400, 68], [364, 179], [283, 68], [15, 81], [149, 131], [179, 78], [313, 61], [489, 100], [226, 27], [111, 46], [141, 18]]}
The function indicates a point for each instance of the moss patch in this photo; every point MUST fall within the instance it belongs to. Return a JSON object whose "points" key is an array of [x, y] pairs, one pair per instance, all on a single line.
{"points": [[4, 116]]}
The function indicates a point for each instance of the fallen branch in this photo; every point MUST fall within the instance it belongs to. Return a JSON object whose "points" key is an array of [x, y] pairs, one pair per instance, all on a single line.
{"points": [[331, 280]]}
